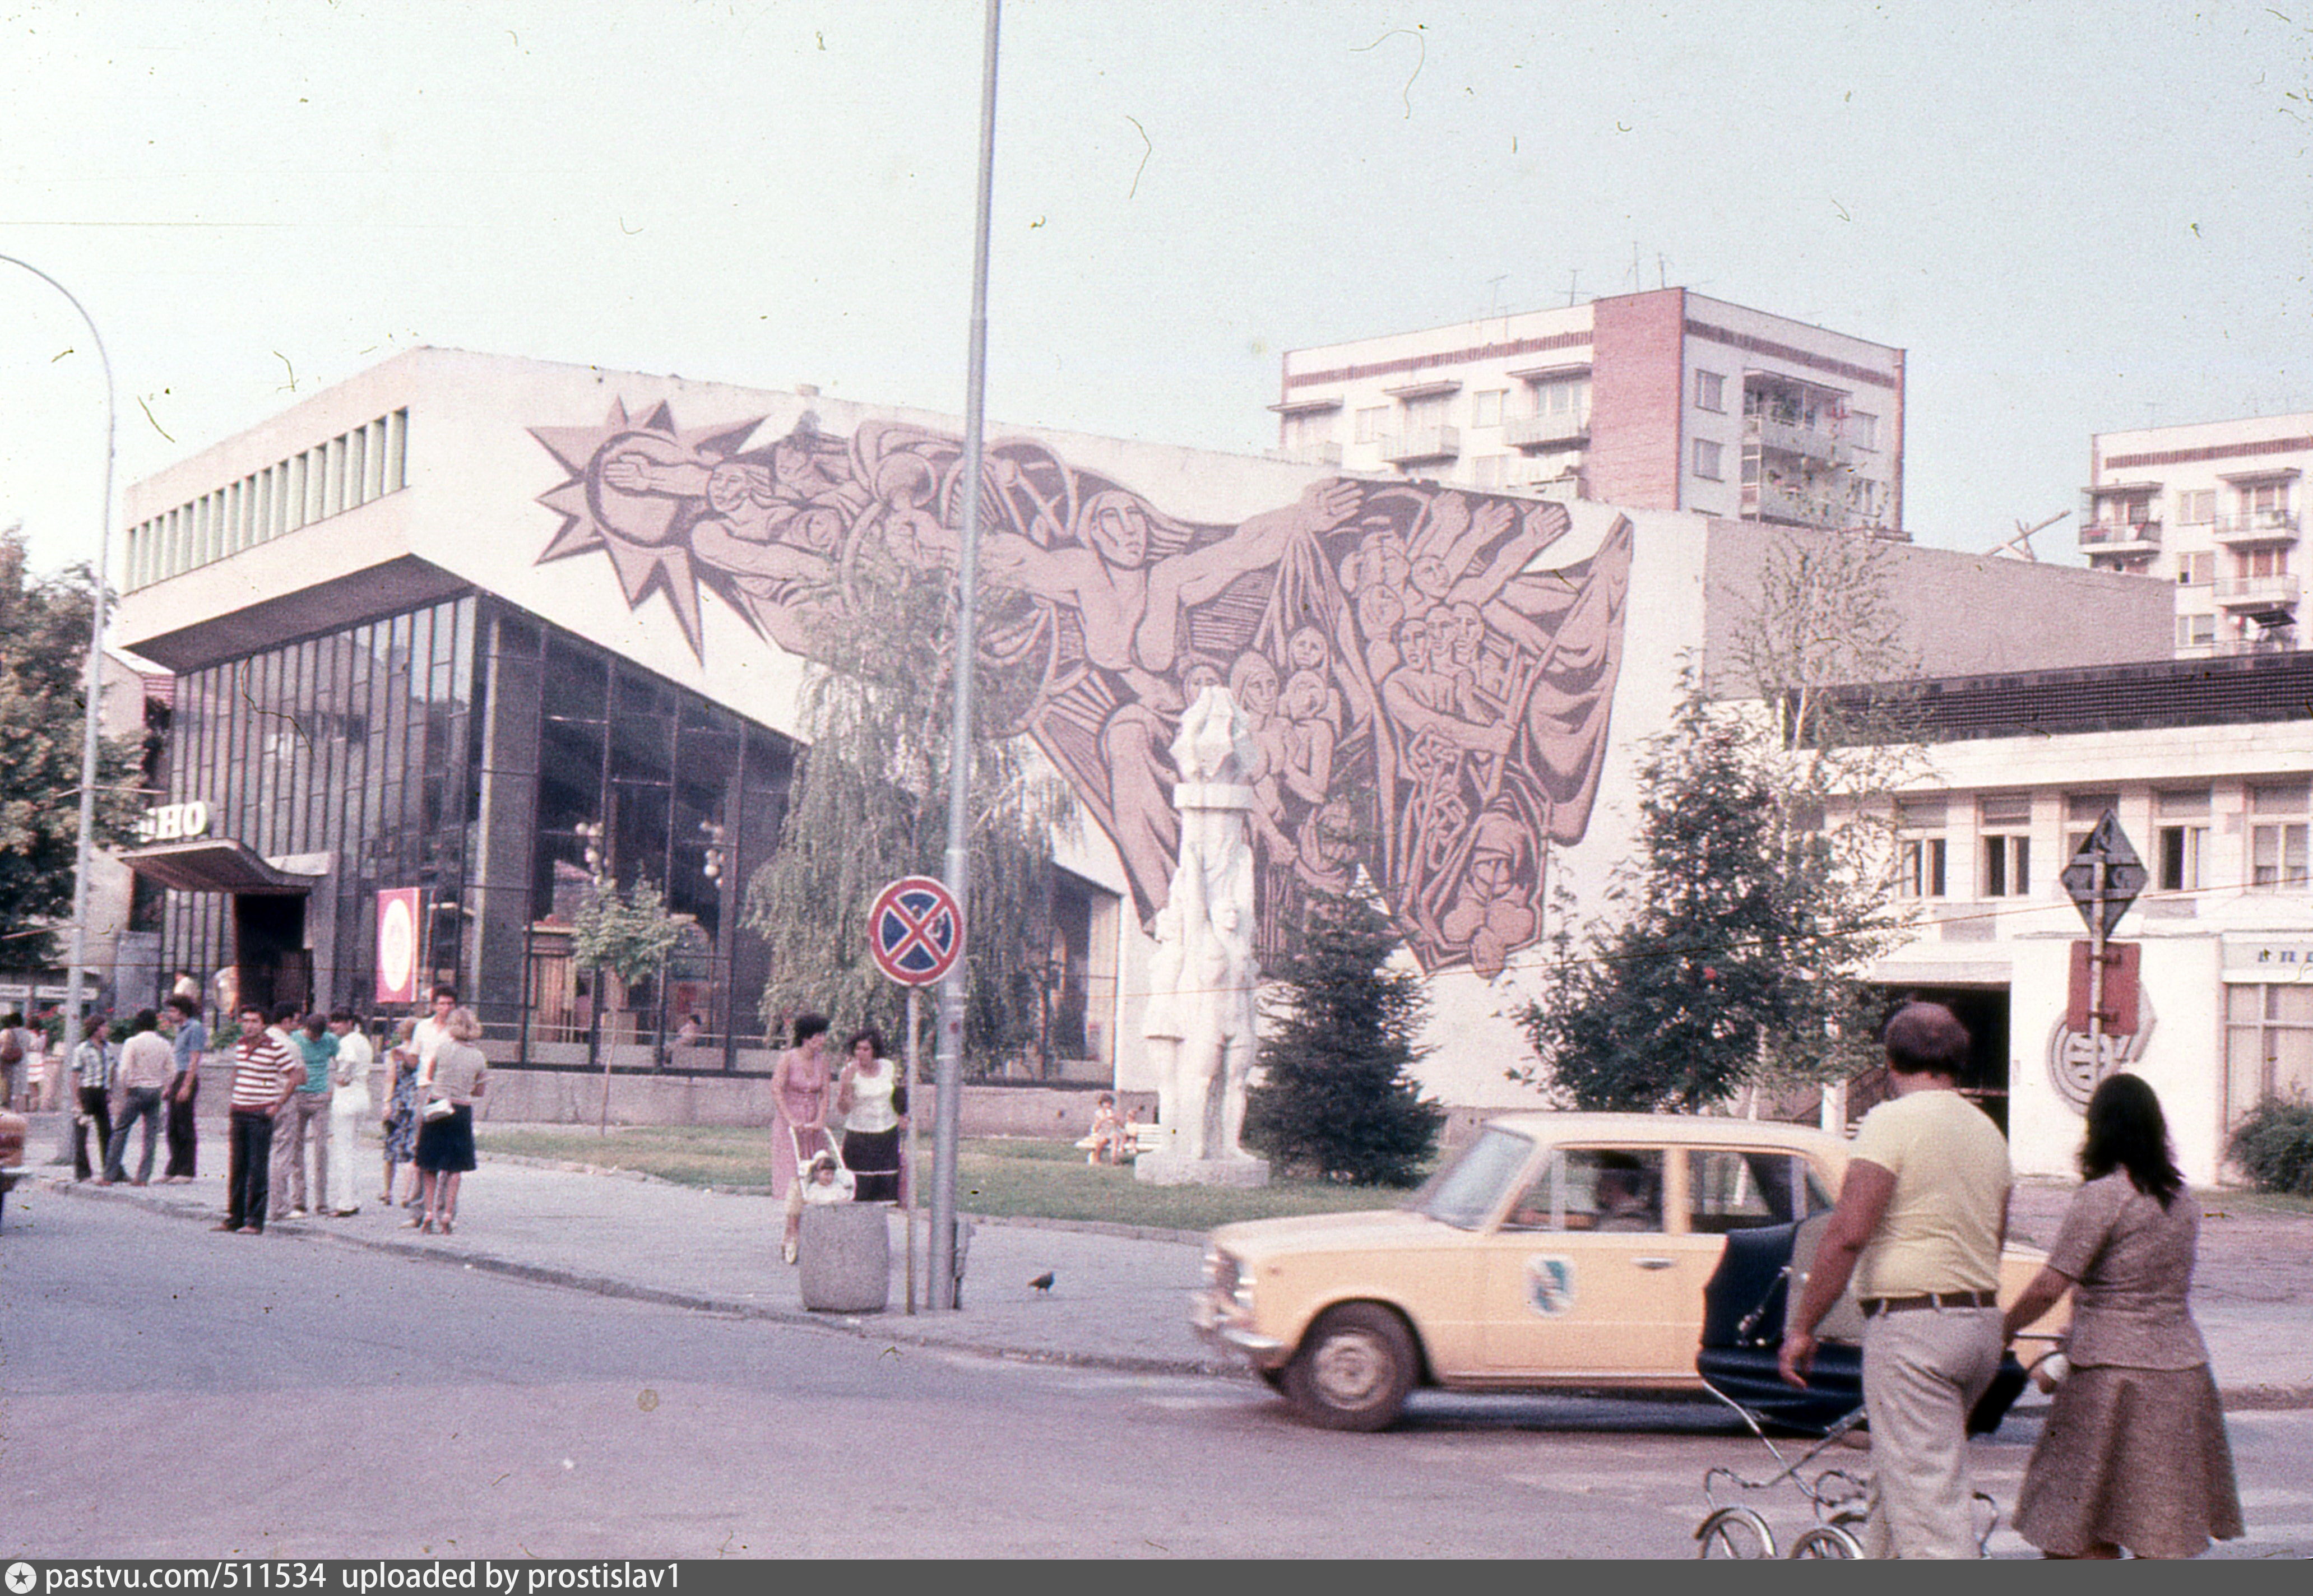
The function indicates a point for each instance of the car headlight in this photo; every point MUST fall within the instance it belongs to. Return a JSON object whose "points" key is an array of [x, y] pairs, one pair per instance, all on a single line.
{"points": [[1228, 1278]]}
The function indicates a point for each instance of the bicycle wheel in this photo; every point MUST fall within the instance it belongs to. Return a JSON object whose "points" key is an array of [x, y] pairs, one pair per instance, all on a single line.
{"points": [[1735, 1532], [1826, 1540]]}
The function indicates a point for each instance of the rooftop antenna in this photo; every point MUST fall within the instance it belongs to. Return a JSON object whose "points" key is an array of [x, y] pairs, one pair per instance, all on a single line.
{"points": [[1662, 273], [1573, 283], [1494, 295], [2019, 546]]}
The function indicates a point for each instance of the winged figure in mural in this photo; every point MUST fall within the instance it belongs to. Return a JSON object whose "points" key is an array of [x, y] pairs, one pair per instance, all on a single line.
{"points": [[1429, 686]]}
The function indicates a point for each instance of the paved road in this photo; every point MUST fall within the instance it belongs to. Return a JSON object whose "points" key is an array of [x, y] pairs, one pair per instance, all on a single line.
{"points": [[170, 1392]]}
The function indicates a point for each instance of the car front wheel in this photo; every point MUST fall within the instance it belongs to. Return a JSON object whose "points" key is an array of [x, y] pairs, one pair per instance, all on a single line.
{"points": [[1354, 1370]]}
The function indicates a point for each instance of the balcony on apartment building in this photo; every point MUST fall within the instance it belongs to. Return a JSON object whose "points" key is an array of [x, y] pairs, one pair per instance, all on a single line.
{"points": [[1768, 501], [1419, 443], [1810, 441], [1557, 427], [2252, 528], [2275, 594], [2121, 537]]}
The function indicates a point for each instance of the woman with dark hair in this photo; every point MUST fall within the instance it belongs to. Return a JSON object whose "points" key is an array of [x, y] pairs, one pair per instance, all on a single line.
{"points": [[799, 1109], [872, 1101], [2133, 1453]]}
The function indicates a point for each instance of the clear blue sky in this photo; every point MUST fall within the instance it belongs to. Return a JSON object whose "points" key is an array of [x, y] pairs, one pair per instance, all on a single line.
{"points": [[2075, 218]]}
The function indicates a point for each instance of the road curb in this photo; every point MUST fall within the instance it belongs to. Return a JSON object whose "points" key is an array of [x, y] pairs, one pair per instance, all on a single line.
{"points": [[897, 1330]]}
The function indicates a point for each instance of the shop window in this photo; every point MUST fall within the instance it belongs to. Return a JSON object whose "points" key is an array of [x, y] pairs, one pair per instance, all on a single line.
{"points": [[2268, 1044]]}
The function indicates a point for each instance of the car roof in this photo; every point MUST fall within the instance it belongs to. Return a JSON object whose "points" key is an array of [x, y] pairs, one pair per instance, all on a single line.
{"points": [[1708, 1130]]}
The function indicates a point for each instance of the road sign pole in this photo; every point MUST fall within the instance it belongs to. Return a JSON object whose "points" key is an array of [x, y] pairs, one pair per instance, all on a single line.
{"points": [[948, 1058], [2097, 934], [915, 1090]]}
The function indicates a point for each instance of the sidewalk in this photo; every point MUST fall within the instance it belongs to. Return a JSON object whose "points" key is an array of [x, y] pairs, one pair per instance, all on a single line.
{"points": [[1117, 1302], [1119, 1299]]}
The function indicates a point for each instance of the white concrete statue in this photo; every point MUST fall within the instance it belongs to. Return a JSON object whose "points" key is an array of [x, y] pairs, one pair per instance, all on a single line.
{"points": [[1199, 1023]]}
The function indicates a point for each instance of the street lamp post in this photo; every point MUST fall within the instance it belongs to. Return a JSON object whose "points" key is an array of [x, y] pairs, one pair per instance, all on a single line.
{"points": [[90, 726]]}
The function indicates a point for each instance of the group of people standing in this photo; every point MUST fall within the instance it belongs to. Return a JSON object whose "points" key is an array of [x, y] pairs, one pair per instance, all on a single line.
{"points": [[870, 1098], [301, 1085], [2134, 1454], [155, 1078]]}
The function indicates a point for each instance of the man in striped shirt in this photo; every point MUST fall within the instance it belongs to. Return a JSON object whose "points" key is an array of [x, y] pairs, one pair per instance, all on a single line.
{"points": [[265, 1072]]}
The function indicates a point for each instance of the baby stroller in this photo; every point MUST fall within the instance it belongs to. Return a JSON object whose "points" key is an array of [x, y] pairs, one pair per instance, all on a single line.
{"points": [[809, 1149], [1745, 1309]]}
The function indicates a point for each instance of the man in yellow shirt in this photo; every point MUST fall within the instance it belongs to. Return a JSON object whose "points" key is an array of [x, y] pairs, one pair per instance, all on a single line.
{"points": [[1921, 1219]]}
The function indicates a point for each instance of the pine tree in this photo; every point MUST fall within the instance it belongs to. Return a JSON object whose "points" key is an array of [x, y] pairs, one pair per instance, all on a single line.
{"points": [[1338, 1099]]}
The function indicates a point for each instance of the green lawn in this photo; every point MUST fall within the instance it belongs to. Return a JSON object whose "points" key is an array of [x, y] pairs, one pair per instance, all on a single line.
{"points": [[1001, 1177]]}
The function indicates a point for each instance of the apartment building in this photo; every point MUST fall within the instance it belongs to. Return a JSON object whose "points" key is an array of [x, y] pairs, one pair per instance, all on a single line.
{"points": [[1664, 400], [2213, 507]]}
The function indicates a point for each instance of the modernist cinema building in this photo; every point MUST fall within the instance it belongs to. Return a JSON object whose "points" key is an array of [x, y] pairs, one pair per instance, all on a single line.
{"points": [[456, 633]]}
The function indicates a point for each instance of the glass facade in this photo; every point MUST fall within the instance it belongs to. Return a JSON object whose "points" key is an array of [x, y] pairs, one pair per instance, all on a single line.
{"points": [[468, 750]]}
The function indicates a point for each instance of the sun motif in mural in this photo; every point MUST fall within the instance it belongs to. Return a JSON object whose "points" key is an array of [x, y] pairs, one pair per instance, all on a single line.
{"points": [[618, 499]]}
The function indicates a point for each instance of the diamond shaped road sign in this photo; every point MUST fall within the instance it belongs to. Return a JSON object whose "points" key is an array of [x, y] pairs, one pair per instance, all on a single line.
{"points": [[2105, 876]]}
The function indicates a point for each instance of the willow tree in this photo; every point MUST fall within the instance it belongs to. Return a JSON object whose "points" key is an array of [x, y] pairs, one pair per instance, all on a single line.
{"points": [[870, 804]]}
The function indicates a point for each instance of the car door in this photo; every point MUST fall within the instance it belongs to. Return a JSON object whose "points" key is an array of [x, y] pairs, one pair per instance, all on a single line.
{"points": [[1590, 1272]]}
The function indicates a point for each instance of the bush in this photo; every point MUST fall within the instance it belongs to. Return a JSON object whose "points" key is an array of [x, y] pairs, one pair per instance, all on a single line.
{"points": [[2274, 1144]]}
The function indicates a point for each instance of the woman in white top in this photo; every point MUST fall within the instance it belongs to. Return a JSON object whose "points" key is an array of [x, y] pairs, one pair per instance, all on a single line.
{"points": [[873, 1103]]}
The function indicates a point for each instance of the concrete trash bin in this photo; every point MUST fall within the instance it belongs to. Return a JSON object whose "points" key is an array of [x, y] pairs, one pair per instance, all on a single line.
{"points": [[845, 1260]]}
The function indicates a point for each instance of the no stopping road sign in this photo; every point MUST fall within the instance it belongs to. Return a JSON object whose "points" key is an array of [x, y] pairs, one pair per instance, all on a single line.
{"points": [[915, 931]]}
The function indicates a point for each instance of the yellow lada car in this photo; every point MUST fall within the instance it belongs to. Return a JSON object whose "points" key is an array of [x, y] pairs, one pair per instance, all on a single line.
{"points": [[1558, 1251]]}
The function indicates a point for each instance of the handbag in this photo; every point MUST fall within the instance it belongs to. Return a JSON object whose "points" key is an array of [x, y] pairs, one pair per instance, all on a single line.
{"points": [[440, 1108]]}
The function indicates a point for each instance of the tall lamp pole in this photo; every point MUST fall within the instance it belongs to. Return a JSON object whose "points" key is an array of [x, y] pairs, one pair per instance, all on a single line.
{"points": [[947, 1060], [89, 729]]}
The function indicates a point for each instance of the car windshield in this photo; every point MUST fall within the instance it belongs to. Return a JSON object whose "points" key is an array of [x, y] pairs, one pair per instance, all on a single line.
{"points": [[1466, 1191]]}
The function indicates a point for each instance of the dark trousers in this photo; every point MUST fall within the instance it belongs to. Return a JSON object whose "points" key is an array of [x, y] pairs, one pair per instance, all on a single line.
{"points": [[249, 1154], [137, 1103], [180, 1130], [95, 1108]]}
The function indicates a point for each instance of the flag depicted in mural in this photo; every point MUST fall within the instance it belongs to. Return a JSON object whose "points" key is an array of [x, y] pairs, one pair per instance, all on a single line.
{"points": [[1430, 684]]}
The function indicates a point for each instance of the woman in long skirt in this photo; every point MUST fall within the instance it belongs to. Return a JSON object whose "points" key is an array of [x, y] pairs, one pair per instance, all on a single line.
{"points": [[2133, 1453]]}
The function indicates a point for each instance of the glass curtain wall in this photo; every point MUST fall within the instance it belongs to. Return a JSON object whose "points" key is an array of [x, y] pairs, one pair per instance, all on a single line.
{"points": [[495, 763], [356, 750]]}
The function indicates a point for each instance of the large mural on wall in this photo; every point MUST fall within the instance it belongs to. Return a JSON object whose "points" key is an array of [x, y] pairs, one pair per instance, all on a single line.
{"points": [[1430, 688]]}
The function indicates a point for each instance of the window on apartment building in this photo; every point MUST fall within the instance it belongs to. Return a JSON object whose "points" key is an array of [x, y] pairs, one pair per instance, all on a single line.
{"points": [[2277, 858], [1709, 392], [2007, 845], [1370, 423], [1486, 470], [1706, 459], [2261, 562], [2268, 1044], [1486, 406], [2198, 569], [1919, 867], [2196, 631], [1562, 396], [1424, 410], [1864, 429], [2196, 506], [2180, 838], [2265, 498]]}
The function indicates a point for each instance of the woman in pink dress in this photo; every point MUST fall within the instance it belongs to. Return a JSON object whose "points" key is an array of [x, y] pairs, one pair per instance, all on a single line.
{"points": [[799, 1099]]}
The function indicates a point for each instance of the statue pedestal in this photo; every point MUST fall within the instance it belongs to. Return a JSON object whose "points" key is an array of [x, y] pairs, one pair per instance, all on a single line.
{"points": [[1170, 1169]]}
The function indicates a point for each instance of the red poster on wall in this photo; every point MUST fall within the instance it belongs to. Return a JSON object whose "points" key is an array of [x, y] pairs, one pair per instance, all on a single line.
{"points": [[397, 945]]}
